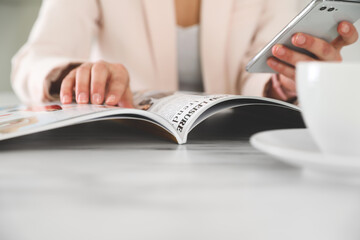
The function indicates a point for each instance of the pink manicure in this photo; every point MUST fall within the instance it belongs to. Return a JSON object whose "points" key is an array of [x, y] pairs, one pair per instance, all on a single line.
{"points": [[66, 99], [273, 62], [300, 39], [110, 99], [83, 98], [96, 98], [280, 50], [345, 28]]}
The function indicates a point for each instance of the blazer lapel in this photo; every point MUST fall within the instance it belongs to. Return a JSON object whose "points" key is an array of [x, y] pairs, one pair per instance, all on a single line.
{"points": [[215, 26], [161, 22]]}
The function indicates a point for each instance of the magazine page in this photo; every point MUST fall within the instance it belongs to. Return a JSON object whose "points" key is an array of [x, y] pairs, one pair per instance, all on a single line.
{"points": [[17, 120], [185, 110], [22, 120], [180, 109], [156, 107], [176, 112]]}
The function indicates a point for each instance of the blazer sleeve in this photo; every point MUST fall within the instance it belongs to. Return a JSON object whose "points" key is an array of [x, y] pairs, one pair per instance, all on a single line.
{"points": [[275, 15], [62, 35]]}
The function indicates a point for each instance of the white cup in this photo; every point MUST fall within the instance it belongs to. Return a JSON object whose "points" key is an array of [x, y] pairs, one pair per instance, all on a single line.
{"points": [[329, 96]]}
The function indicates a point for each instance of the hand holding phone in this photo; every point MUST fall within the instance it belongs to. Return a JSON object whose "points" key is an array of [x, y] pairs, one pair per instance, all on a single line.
{"points": [[284, 59], [282, 85], [319, 26], [317, 34]]}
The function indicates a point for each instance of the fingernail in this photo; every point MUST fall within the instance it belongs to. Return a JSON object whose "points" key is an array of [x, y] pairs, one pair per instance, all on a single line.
{"points": [[83, 98], [300, 39], [110, 99], [66, 99], [96, 98], [273, 62], [280, 50], [345, 28]]}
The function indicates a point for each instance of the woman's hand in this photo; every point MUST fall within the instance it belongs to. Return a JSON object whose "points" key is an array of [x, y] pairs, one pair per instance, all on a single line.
{"points": [[99, 83], [323, 50]]}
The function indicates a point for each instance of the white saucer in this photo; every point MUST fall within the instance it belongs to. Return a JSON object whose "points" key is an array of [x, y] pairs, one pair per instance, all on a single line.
{"points": [[296, 147]]}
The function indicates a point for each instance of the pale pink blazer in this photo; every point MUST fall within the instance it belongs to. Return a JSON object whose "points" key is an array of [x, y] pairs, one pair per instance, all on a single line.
{"points": [[141, 34]]}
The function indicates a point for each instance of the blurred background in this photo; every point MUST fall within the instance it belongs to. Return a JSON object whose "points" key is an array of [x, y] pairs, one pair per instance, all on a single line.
{"points": [[18, 16], [16, 20]]}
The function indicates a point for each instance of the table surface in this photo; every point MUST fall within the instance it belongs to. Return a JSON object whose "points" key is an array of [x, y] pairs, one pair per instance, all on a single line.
{"points": [[106, 181]]}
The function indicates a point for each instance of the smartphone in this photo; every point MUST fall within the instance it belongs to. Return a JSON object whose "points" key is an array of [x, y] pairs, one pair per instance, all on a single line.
{"points": [[320, 18]]}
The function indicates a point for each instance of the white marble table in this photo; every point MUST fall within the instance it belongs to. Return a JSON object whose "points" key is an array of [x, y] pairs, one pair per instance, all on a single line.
{"points": [[106, 181]]}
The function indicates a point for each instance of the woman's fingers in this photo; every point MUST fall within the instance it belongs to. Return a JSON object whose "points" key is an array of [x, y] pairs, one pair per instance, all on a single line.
{"points": [[285, 59], [116, 88], [289, 56], [288, 85], [100, 81], [99, 77], [281, 67], [67, 88], [127, 99], [347, 35], [323, 50], [118, 84], [82, 87]]}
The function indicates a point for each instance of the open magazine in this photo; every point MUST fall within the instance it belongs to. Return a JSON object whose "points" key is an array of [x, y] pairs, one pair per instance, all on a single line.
{"points": [[175, 113]]}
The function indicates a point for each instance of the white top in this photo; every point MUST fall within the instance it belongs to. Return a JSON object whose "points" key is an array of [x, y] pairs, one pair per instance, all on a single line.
{"points": [[189, 65]]}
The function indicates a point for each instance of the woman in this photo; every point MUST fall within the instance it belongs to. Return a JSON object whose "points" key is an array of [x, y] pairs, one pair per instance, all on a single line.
{"points": [[103, 48]]}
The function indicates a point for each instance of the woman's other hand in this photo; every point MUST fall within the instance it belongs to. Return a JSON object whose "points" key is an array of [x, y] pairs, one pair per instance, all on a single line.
{"points": [[97, 83], [324, 51]]}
